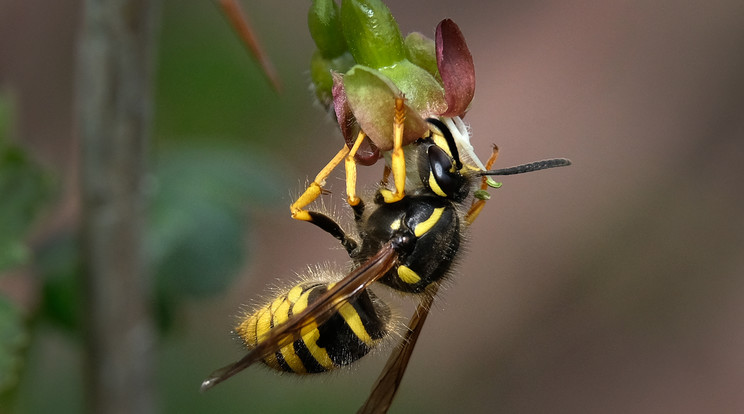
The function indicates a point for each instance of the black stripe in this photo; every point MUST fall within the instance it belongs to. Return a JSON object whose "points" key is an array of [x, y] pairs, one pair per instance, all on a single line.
{"points": [[312, 366], [279, 357], [373, 320], [307, 359], [342, 345], [447, 134]]}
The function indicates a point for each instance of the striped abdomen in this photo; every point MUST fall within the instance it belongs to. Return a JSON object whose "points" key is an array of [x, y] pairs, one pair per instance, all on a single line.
{"points": [[347, 336]]}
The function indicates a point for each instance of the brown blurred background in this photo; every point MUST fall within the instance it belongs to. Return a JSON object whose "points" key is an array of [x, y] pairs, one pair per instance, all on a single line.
{"points": [[612, 286]]}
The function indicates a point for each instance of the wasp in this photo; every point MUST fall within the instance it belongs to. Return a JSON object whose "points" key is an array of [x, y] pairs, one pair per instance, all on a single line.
{"points": [[406, 239]]}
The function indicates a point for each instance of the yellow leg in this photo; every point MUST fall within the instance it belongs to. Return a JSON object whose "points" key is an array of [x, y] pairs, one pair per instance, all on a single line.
{"points": [[315, 188], [398, 162], [351, 175], [478, 205], [474, 211]]}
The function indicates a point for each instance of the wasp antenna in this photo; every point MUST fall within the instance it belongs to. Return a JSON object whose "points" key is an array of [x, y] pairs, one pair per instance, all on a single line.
{"points": [[533, 166]]}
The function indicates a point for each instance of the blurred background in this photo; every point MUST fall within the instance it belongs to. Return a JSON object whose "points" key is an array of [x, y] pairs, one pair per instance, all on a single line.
{"points": [[611, 286]]}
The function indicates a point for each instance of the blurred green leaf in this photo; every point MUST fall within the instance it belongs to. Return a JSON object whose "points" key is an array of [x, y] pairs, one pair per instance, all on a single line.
{"points": [[206, 82], [13, 340], [198, 218], [24, 188], [196, 235], [208, 251], [58, 264]]}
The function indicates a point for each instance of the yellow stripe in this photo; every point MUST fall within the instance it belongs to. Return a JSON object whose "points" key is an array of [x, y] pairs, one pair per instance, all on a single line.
{"points": [[276, 303], [294, 294], [263, 326], [434, 185], [395, 225], [264, 316], [299, 307], [320, 354], [407, 275], [301, 302], [352, 319], [291, 358], [281, 315], [281, 312], [311, 334], [440, 142], [426, 225], [246, 329]]}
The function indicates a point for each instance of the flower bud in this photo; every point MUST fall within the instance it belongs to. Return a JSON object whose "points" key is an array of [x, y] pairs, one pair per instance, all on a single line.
{"points": [[371, 33], [325, 28]]}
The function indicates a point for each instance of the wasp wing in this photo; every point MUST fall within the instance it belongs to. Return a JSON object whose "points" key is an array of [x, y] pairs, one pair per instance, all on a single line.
{"points": [[387, 384], [316, 313]]}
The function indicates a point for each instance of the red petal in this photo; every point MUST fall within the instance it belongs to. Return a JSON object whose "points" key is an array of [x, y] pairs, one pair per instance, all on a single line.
{"points": [[455, 64]]}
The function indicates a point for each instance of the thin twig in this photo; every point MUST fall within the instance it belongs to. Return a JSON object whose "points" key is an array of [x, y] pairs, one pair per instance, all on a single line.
{"points": [[114, 106]]}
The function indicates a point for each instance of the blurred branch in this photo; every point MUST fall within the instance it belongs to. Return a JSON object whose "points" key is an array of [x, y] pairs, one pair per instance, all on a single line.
{"points": [[114, 106], [239, 20]]}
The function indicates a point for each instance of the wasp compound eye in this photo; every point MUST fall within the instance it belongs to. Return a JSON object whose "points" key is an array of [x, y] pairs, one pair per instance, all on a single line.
{"points": [[444, 180]]}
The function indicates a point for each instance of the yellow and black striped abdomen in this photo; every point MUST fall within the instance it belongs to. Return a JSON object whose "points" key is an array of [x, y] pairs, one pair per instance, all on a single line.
{"points": [[347, 336]]}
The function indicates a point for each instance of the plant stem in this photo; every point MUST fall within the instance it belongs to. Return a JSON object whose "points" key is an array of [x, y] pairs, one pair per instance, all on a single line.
{"points": [[114, 111]]}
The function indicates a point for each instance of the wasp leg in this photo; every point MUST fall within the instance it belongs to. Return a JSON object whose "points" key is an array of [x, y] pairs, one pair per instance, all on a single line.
{"points": [[478, 205], [351, 171], [331, 227], [315, 189], [398, 162]]}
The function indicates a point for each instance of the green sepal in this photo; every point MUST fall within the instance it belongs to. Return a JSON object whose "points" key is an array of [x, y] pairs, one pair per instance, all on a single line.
{"points": [[320, 72], [371, 96], [420, 88], [493, 184], [421, 51], [324, 23], [371, 33], [481, 195]]}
